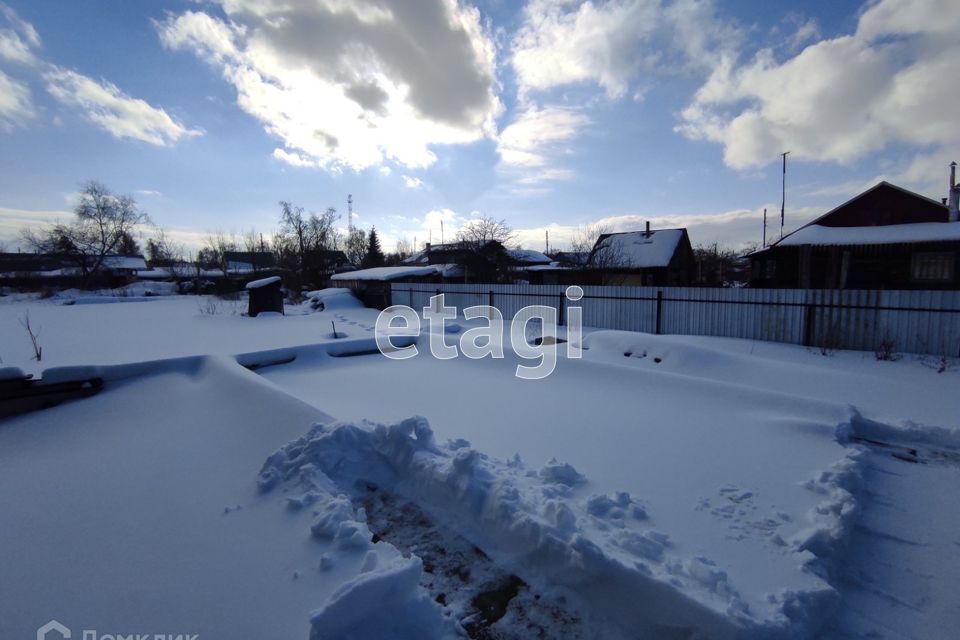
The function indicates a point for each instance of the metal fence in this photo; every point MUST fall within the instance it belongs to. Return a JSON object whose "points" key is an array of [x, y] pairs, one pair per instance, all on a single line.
{"points": [[926, 322]]}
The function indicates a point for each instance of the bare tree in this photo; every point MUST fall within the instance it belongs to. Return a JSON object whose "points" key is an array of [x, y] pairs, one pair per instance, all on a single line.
{"points": [[103, 224], [585, 237], [164, 253], [254, 242], [34, 336], [479, 231], [356, 246], [215, 248], [301, 234], [403, 249], [607, 253]]}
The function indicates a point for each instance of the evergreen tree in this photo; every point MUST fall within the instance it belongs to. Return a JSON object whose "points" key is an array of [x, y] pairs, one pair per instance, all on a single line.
{"points": [[374, 257]]}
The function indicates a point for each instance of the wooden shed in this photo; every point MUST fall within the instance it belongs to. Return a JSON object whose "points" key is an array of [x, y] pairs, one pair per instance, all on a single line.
{"points": [[265, 295]]}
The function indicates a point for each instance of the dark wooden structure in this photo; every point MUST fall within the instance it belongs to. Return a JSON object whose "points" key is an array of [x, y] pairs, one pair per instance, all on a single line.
{"points": [[265, 295], [885, 238]]}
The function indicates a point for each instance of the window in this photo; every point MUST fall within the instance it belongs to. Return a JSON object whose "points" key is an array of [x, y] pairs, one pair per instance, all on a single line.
{"points": [[933, 266]]}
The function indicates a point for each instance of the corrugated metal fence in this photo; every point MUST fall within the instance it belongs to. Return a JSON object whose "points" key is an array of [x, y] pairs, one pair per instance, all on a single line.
{"points": [[925, 322]]}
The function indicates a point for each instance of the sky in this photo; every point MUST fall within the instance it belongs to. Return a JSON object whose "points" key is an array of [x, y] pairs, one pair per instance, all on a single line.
{"points": [[550, 114]]}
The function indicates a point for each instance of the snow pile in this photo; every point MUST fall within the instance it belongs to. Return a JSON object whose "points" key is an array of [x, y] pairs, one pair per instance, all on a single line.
{"points": [[382, 602], [548, 523], [333, 298]]}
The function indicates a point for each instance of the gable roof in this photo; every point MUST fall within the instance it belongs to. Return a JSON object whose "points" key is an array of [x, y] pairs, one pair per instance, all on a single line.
{"points": [[636, 249], [527, 256], [909, 217]]}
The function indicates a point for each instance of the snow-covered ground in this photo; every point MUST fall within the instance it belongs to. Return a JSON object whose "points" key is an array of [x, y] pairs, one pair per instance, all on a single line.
{"points": [[662, 486]]}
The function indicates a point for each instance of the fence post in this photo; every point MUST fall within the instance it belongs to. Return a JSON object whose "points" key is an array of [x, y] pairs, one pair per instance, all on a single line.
{"points": [[490, 304], [659, 310], [560, 306], [809, 321]]}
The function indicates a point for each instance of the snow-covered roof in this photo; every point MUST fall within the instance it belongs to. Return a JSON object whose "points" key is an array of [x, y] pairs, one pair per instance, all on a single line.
{"points": [[816, 234], [636, 249], [528, 256], [420, 257], [124, 262], [263, 282], [395, 273], [553, 266]]}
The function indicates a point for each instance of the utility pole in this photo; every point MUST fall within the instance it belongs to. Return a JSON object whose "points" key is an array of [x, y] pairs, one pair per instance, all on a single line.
{"points": [[783, 193], [547, 250], [764, 227]]}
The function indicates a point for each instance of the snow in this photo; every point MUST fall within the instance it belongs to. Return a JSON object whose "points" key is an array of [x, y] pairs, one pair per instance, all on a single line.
{"points": [[816, 234], [263, 282], [528, 256], [396, 273], [636, 250], [662, 486]]}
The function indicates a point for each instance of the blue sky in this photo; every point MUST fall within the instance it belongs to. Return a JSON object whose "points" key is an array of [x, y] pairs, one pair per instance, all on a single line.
{"points": [[550, 114]]}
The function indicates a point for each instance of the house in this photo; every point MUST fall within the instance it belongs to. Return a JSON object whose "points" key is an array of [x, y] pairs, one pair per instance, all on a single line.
{"points": [[885, 238], [373, 286], [577, 259], [33, 270], [247, 261], [661, 257]]}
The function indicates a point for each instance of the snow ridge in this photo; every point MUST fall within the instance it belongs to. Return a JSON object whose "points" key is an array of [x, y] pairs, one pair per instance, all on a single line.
{"points": [[547, 526]]}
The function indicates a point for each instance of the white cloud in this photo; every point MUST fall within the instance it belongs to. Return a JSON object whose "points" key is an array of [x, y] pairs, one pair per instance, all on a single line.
{"points": [[352, 84], [412, 182], [121, 115], [102, 102], [18, 38], [293, 159], [16, 107], [530, 144], [610, 42], [384, 170], [840, 99], [13, 221]]}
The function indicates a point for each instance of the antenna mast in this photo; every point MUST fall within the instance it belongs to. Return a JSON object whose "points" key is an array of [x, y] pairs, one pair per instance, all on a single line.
{"points": [[783, 193]]}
